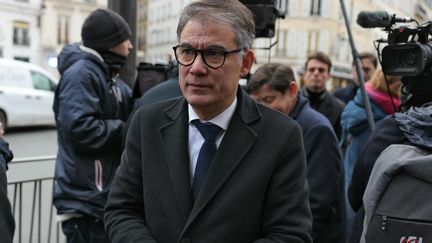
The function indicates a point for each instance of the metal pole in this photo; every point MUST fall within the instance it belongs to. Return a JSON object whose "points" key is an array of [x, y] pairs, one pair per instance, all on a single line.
{"points": [[359, 70], [128, 9]]}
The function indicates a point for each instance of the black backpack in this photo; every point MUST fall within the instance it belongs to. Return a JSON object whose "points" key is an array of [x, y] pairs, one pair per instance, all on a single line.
{"points": [[398, 197]]}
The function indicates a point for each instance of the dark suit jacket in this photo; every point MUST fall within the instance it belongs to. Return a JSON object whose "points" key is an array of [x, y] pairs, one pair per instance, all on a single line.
{"points": [[255, 191], [325, 174]]}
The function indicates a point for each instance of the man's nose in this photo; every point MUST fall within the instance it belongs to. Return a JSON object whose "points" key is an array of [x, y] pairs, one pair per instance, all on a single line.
{"points": [[198, 65]]}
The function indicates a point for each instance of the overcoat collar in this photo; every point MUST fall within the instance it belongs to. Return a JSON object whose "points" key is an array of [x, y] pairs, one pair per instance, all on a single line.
{"points": [[237, 141]]}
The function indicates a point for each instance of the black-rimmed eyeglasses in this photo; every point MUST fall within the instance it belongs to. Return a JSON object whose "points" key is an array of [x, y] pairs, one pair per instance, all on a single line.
{"points": [[213, 58]]}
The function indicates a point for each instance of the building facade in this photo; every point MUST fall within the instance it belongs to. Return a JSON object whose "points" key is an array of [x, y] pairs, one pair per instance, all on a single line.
{"points": [[142, 30], [309, 25], [36, 30], [163, 16], [61, 22], [20, 29], [319, 25]]}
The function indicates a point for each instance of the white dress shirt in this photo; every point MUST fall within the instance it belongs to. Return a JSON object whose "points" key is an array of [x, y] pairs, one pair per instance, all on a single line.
{"points": [[196, 140]]}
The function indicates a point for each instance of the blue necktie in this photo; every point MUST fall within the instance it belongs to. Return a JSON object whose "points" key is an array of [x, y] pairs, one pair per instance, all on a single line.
{"points": [[209, 131]]}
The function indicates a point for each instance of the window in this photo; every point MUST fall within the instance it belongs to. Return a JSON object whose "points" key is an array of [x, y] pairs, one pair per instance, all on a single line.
{"points": [[305, 7], [315, 8], [292, 8], [302, 44], [24, 59], [42, 82], [21, 33], [291, 42], [324, 41], [63, 30], [281, 43], [312, 41], [326, 8]]}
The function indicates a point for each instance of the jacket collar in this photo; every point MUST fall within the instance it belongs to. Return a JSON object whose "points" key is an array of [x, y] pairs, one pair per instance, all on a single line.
{"points": [[301, 102], [246, 108]]}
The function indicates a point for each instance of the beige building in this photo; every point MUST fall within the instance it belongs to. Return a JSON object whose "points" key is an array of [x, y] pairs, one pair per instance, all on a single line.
{"points": [[61, 22], [309, 25], [423, 11], [36, 30], [161, 30], [318, 25], [142, 23], [20, 30]]}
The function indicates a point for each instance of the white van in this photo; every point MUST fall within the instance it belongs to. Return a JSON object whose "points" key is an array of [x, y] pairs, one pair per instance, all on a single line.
{"points": [[26, 94]]}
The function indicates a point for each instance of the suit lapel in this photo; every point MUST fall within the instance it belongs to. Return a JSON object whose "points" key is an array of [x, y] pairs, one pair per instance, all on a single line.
{"points": [[175, 137]]}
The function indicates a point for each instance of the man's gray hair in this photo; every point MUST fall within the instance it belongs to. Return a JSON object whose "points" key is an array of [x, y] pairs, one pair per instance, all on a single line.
{"points": [[225, 12]]}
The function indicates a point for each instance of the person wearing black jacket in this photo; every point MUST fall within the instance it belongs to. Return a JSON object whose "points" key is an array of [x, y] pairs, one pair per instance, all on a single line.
{"points": [[7, 223], [91, 106], [274, 85], [245, 182], [316, 74], [410, 126]]}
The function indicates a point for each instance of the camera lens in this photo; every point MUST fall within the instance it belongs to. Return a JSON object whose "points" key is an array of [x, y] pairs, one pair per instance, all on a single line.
{"points": [[408, 58]]}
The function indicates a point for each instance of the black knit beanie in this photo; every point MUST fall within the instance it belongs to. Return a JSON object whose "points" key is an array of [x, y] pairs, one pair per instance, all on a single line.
{"points": [[104, 29]]}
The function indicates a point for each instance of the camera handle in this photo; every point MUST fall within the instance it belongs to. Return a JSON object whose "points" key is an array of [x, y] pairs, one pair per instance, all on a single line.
{"points": [[359, 70]]}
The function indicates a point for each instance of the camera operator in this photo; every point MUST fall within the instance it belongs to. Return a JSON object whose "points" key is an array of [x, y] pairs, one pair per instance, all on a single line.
{"points": [[410, 58], [400, 128]]}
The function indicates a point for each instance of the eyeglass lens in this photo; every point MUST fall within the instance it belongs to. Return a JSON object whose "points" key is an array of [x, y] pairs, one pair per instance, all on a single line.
{"points": [[212, 57]]}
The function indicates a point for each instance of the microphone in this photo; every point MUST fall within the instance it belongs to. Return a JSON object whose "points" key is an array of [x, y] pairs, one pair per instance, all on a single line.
{"points": [[379, 19]]}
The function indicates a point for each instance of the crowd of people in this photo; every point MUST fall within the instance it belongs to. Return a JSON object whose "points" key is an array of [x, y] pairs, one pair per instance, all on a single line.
{"points": [[199, 158]]}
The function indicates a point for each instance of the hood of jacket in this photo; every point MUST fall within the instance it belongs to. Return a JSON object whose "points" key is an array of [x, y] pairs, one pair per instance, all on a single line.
{"points": [[354, 117], [416, 125], [71, 53]]}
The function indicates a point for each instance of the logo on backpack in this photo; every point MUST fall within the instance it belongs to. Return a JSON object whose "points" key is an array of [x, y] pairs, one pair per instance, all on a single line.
{"points": [[411, 239]]}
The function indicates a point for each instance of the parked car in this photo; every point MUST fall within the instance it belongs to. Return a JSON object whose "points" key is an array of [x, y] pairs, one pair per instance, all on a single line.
{"points": [[26, 94]]}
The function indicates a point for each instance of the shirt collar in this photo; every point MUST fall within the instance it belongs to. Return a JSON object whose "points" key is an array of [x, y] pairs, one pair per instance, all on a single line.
{"points": [[222, 120]]}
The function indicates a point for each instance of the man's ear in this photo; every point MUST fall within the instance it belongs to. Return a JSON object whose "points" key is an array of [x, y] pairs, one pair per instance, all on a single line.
{"points": [[248, 60], [293, 88]]}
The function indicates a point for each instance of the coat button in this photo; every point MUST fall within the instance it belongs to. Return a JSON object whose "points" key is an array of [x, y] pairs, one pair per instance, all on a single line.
{"points": [[185, 240]]}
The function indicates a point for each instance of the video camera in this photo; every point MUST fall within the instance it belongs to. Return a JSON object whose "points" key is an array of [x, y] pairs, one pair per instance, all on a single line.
{"points": [[408, 51]]}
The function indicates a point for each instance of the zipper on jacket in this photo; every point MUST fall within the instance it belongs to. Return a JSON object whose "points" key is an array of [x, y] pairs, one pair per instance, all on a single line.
{"points": [[115, 90], [98, 175], [383, 222], [386, 219]]}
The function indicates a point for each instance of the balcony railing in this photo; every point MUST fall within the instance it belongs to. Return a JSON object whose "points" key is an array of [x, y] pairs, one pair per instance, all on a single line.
{"points": [[30, 190]]}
